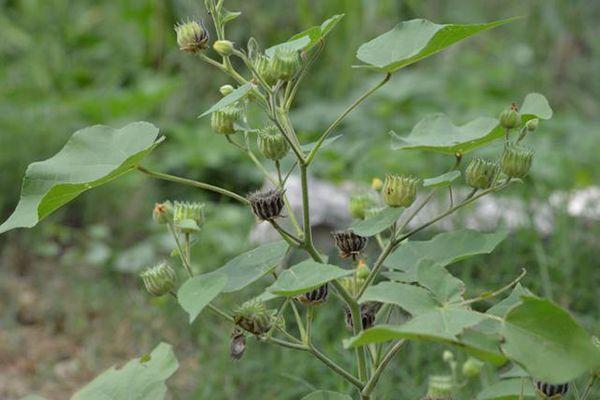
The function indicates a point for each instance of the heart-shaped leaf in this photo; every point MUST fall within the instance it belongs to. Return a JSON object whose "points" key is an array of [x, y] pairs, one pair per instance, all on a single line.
{"points": [[326, 395], [377, 223], [411, 41], [413, 299], [508, 389], [442, 180], [304, 277], [92, 157], [231, 98], [197, 292]]}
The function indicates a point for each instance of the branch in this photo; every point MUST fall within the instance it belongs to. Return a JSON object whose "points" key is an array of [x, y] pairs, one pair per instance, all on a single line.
{"points": [[496, 292], [384, 362]]}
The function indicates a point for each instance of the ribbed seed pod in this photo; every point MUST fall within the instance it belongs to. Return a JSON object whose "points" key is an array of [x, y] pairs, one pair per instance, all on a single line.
{"points": [[399, 191], [368, 312], [316, 296], [237, 345], [549, 391], [480, 173], [264, 67], [188, 217], [286, 64], [439, 388], [272, 144], [349, 243], [192, 37], [223, 121], [253, 317], [266, 204], [159, 280], [516, 161]]}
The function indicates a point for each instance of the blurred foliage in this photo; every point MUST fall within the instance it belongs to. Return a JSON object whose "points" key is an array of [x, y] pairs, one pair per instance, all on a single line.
{"points": [[68, 64]]}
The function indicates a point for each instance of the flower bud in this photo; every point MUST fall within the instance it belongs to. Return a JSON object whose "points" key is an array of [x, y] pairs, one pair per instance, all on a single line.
{"points": [[286, 63], [188, 217], [266, 204], [316, 296], [159, 280], [399, 191], [362, 271], [223, 47], [368, 312], [264, 67], [163, 212], [253, 317], [377, 184], [480, 173], [192, 37], [226, 89], [439, 387], [272, 144], [510, 118], [549, 391], [532, 124], [516, 161], [223, 121], [448, 356], [360, 204], [349, 243], [237, 345], [472, 367]]}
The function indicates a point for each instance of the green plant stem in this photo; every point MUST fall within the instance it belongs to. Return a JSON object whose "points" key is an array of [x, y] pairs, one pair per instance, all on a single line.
{"points": [[289, 98], [372, 382], [191, 182], [180, 249], [287, 236], [336, 368], [309, 320], [343, 115], [299, 322], [496, 292]]}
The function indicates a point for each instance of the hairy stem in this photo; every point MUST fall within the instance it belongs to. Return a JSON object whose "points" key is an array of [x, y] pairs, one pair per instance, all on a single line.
{"points": [[381, 367]]}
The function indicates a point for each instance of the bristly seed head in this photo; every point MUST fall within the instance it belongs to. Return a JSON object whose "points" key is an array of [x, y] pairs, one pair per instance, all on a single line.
{"points": [[266, 204], [549, 391], [192, 37], [316, 296], [349, 243]]}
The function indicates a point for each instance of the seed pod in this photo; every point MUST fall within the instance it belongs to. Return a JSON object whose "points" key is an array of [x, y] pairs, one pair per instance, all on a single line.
{"points": [[439, 387], [532, 124], [159, 280], [253, 317], [516, 161], [223, 47], [510, 118], [360, 204], [399, 191], [549, 391], [264, 67], [163, 212], [480, 173], [349, 243], [192, 37], [368, 312], [223, 121], [315, 297], [272, 144], [237, 345], [472, 367], [286, 64], [188, 217], [266, 204]]}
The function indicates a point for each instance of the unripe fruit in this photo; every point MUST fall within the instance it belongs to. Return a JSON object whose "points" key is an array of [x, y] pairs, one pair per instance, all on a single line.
{"points": [[253, 317], [480, 173], [472, 367], [551, 392], [448, 356], [272, 144], [223, 47], [266, 204], [349, 243], [516, 161], [188, 217], [510, 118], [223, 121], [399, 191], [439, 388], [264, 67], [315, 297], [532, 124], [285, 64], [192, 37], [377, 184], [159, 280], [237, 345]]}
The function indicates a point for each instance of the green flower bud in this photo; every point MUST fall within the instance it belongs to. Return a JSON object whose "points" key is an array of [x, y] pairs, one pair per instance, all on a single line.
{"points": [[223, 47], [532, 124], [439, 387], [192, 37], [159, 280], [349, 243], [266, 204], [264, 67], [360, 204], [253, 317], [226, 89], [188, 217], [480, 173], [448, 356], [377, 184], [472, 367], [315, 297], [223, 120], [549, 391], [286, 64], [510, 118], [362, 271], [399, 191], [272, 144], [163, 212], [516, 161]]}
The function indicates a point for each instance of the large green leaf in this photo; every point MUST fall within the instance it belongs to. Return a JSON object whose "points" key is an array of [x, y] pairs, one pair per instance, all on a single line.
{"points": [[501, 308], [231, 98], [251, 266], [308, 38], [444, 249], [377, 223], [304, 277], [508, 389], [438, 133], [411, 298], [92, 157], [326, 395], [548, 342], [442, 180], [445, 287], [197, 292], [140, 379], [485, 346], [411, 41]]}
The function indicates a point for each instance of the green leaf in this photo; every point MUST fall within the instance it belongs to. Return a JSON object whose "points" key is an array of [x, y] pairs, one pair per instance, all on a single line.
{"points": [[445, 287], [438, 133], [313, 34], [309, 146], [442, 180], [197, 292], [444, 249], [326, 395], [548, 342], [228, 16], [136, 380], [413, 299], [411, 41], [251, 266], [293, 44], [514, 372], [482, 345], [92, 157], [378, 222], [501, 308], [304, 277], [442, 324], [508, 389], [231, 98]]}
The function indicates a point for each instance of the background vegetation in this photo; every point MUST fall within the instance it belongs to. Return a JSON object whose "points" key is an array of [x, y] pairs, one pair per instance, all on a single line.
{"points": [[70, 303]]}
